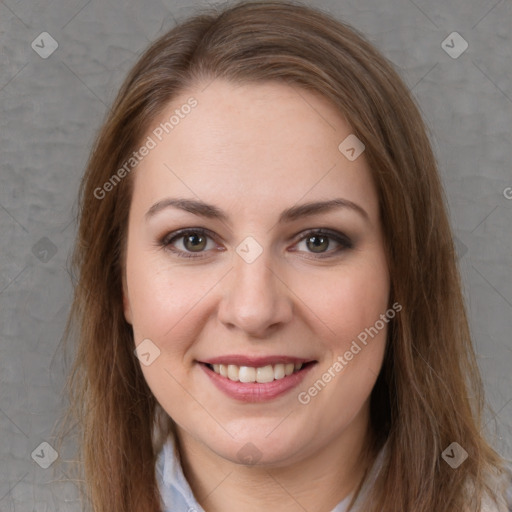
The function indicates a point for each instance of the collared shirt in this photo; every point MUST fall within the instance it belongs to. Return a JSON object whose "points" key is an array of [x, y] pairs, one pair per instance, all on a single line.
{"points": [[177, 496]]}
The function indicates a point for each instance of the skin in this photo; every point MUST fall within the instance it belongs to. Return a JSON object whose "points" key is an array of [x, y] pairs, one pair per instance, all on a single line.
{"points": [[253, 151]]}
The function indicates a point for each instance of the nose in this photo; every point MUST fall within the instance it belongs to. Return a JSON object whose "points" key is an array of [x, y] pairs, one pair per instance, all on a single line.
{"points": [[255, 298]]}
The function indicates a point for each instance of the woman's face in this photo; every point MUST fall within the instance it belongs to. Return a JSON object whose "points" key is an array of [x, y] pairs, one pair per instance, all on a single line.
{"points": [[249, 291]]}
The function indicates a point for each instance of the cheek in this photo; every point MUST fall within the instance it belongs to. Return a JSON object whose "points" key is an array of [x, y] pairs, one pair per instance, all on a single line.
{"points": [[352, 301], [346, 377], [358, 301], [163, 298]]}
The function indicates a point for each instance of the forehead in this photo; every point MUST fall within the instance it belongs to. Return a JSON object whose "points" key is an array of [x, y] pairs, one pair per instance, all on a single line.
{"points": [[259, 144]]}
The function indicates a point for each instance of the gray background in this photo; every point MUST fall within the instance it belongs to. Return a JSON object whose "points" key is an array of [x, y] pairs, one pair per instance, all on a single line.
{"points": [[51, 108]]}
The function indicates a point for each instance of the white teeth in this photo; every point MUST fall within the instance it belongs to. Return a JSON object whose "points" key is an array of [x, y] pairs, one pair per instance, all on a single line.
{"points": [[233, 372], [247, 374], [262, 374], [279, 371], [265, 374]]}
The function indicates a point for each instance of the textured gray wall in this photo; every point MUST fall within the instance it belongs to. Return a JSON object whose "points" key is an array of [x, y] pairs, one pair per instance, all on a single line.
{"points": [[51, 107]]}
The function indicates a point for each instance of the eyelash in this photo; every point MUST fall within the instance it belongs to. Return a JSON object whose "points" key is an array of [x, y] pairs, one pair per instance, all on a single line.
{"points": [[167, 240]]}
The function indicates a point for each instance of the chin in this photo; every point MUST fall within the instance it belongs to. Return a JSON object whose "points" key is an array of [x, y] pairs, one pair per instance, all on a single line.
{"points": [[256, 446]]}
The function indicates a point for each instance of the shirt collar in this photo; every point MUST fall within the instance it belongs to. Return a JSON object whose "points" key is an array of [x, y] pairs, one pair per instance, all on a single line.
{"points": [[176, 494]]}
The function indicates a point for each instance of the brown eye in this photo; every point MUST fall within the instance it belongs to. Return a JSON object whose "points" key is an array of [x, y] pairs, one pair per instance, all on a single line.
{"points": [[194, 242], [189, 243], [324, 243], [317, 243]]}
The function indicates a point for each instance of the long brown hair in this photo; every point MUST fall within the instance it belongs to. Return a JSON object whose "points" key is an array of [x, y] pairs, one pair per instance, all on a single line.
{"points": [[428, 394]]}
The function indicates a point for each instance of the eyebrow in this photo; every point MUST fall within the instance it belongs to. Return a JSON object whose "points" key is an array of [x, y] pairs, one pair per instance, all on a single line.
{"points": [[210, 211]]}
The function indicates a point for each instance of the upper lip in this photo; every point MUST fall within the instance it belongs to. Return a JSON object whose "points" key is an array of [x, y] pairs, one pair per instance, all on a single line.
{"points": [[254, 361]]}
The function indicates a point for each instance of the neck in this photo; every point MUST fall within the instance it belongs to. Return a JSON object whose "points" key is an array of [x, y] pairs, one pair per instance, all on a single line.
{"points": [[316, 483]]}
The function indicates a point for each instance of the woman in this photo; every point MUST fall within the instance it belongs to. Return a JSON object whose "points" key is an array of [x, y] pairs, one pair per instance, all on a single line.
{"points": [[268, 306]]}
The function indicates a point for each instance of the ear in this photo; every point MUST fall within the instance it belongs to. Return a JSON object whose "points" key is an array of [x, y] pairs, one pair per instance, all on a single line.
{"points": [[126, 302]]}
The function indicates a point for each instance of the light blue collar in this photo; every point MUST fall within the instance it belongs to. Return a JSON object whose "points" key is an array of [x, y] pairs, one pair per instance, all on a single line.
{"points": [[176, 494]]}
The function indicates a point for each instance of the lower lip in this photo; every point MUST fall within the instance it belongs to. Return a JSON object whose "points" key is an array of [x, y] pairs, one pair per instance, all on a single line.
{"points": [[255, 391]]}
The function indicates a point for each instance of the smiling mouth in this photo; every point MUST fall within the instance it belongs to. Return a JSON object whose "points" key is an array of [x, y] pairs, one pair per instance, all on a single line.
{"points": [[261, 374]]}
